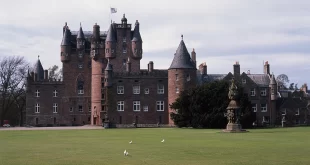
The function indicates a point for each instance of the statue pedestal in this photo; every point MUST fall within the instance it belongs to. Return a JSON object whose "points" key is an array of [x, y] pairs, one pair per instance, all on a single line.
{"points": [[234, 128]]}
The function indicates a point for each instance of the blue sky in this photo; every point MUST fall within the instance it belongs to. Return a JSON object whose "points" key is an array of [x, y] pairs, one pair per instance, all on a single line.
{"points": [[222, 31]]}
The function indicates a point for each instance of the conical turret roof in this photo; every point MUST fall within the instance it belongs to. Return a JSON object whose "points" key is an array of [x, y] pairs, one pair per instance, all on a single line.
{"points": [[182, 58], [38, 69], [111, 36], [136, 33], [80, 35], [66, 38]]}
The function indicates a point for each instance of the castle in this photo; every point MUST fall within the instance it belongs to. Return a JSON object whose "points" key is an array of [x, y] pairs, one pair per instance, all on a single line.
{"points": [[103, 83]]}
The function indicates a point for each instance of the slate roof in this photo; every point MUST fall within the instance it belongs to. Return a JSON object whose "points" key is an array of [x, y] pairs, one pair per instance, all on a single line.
{"points": [[38, 69], [80, 34], [111, 36], [66, 38], [182, 59], [88, 34], [273, 80], [210, 77], [136, 33], [262, 80]]}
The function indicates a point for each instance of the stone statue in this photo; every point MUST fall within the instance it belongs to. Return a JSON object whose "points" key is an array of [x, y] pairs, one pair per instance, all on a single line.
{"points": [[95, 112], [233, 90]]}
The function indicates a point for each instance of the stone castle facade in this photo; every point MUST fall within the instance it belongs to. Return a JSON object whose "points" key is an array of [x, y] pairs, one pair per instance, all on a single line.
{"points": [[103, 83]]}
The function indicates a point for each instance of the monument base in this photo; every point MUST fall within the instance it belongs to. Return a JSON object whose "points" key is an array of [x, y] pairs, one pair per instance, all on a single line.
{"points": [[234, 128]]}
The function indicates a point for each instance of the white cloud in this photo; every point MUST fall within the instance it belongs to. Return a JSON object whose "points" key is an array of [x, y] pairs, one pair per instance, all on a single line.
{"points": [[220, 26]]}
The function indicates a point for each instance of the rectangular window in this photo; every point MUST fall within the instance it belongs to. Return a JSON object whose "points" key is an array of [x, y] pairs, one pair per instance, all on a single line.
{"points": [[136, 105], [124, 50], [160, 89], [55, 108], [243, 81], [102, 108], [37, 108], [188, 77], [120, 106], [37, 93], [81, 91], [254, 107], [145, 108], [297, 111], [136, 89], [160, 105], [252, 92], [176, 90], [283, 111], [120, 89], [124, 62], [263, 92], [55, 93], [80, 108], [176, 77], [71, 109], [263, 107], [89, 108], [124, 39], [146, 91]]}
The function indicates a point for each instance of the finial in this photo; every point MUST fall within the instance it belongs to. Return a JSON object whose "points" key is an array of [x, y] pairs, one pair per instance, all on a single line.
{"points": [[193, 49], [182, 36], [124, 15], [111, 21], [38, 57], [96, 23], [80, 24], [65, 23]]}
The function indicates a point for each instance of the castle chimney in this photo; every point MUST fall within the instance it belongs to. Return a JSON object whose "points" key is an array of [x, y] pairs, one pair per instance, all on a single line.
{"points": [[267, 68], [151, 66], [194, 57], [45, 74], [304, 88], [32, 74], [203, 68], [128, 65], [237, 69], [35, 78]]}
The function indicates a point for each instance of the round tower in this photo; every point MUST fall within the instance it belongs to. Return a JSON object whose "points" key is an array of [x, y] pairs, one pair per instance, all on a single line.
{"points": [[181, 75], [98, 62], [65, 47], [80, 38], [136, 42], [110, 43]]}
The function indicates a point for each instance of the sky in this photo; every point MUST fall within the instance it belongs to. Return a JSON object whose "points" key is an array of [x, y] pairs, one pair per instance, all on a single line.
{"points": [[222, 31]]}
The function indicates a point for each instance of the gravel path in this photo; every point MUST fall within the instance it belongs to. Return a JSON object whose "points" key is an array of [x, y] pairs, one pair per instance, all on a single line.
{"points": [[50, 128]]}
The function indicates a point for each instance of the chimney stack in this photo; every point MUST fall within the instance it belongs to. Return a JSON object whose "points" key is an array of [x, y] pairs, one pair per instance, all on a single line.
{"points": [[151, 66], [203, 68], [45, 74], [194, 57], [237, 69], [267, 68]]}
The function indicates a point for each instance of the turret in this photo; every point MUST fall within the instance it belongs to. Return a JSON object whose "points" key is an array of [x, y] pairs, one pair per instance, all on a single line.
{"points": [[124, 20], [95, 43], [108, 75], [38, 71], [80, 38], [273, 88], [65, 47], [137, 42], [64, 28], [110, 44], [181, 74]]}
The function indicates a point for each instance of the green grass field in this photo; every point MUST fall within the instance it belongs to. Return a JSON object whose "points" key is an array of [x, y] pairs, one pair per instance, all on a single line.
{"points": [[285, 146]]}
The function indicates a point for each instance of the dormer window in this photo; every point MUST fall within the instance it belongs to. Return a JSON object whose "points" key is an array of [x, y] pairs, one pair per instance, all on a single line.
{"points": [[81, 43]]}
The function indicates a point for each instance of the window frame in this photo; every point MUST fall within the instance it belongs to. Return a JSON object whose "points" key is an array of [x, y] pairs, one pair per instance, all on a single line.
{"points": [[120, 106], [136, 106], [160, 104]]}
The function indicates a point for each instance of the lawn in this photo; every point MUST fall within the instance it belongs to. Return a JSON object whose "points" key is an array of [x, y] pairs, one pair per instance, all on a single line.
{"points": [[285, 146]]}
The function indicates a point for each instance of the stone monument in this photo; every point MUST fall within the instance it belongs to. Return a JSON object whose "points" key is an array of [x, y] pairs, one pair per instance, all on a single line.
{"points": [[233, 110]]}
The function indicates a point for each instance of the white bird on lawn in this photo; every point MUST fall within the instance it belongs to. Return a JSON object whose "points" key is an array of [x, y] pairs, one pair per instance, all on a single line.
{"points": [[125, 153], [163, 140], [130, 142]]}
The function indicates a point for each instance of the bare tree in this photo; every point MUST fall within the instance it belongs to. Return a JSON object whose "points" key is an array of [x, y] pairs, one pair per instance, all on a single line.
{"points": [[13, 70], [55, 72], [282, 80]]}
